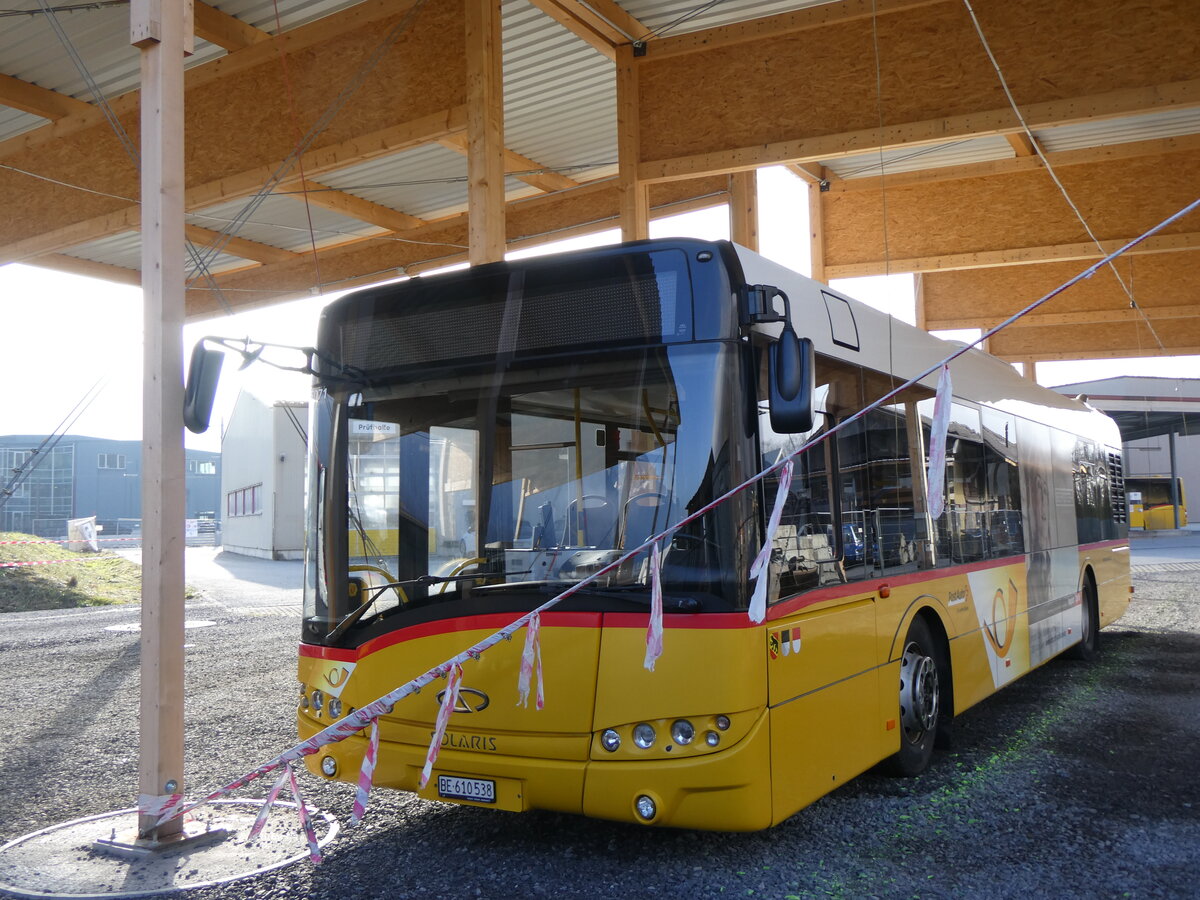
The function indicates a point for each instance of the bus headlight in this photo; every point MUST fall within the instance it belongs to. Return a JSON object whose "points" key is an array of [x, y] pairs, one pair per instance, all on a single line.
{"points": [[643, 735], [329, 766], [682, 731], [610, 740], [335, 708], [318, 701], [723, 723], [712, 738]]}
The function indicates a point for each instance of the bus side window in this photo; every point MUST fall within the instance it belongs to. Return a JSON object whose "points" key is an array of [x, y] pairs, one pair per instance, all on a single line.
{"points": [[806, 548], [1003, 527]]}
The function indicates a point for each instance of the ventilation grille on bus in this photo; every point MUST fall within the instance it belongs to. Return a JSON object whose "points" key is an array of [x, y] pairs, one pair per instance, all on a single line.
{"points": [[629, 311], [1116, 486]]}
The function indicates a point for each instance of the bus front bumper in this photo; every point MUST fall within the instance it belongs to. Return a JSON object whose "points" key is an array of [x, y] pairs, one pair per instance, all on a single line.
{"points": [[725, 791]]}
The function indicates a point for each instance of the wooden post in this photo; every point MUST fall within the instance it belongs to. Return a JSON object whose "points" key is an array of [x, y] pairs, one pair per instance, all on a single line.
{"points": [[919, 291], [162, 29], [634, 194], [1030, 367], [743, 209], [485, 133], [816, 232]]}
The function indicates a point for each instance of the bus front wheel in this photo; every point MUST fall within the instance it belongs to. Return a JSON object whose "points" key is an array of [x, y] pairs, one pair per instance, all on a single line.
{"points": [[921, 695]]}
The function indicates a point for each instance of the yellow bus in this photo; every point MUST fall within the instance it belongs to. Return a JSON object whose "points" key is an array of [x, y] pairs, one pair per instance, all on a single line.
{"points": [[516, 427], [1151, 505]]}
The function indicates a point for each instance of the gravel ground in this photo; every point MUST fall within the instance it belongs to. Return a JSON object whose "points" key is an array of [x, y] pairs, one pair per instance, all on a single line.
{"points": [[1077, 781]]}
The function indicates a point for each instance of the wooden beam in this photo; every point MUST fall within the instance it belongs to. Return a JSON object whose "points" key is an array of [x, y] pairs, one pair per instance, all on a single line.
{"points": [[1080, 317], [821, 15], [73, 265], [354, 207], [1124, 351], [520, 167], [1021, 144], [225, 30], [1180, 95], [601, 24], [1189, 143], [485, 132], [743, 209], [635, 198], [38, 101], [1164, 243], [236, 246]]}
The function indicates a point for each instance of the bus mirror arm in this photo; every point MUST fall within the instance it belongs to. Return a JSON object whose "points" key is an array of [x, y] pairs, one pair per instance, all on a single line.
{"points": [[204, 372]]}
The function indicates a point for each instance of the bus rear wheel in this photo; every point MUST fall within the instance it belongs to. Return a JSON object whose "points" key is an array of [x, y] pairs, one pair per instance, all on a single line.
{"points": [[920, 701], [1089, 626]]}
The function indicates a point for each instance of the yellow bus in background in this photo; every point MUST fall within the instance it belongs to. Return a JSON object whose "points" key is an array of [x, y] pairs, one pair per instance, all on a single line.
{"points": [[1151, 505], [519, 426]]}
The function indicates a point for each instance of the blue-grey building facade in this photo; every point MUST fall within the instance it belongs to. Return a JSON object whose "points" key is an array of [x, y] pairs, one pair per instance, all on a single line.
{"points": [[79, 476]]}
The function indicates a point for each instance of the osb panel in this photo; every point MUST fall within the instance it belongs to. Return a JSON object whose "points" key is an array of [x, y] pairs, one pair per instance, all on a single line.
{"points": [[537, 216], [1119, 199], [244, 120], [247, 119], [1156, 281], [931, 65], [95, 160]]}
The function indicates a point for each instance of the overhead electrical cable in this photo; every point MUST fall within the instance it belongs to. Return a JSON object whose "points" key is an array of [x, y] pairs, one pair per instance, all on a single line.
{"points": [[680, 19]]}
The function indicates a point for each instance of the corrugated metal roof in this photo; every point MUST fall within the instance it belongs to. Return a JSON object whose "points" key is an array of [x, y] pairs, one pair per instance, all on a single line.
{"points": [[125, 250], [560, 105], [912, 159], [672, 17], [281, 221], [560, 112], [1124, 130]]}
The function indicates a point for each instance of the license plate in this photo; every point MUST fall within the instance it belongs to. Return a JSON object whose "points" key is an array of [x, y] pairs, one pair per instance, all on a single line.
{"points": [[481, 790]]}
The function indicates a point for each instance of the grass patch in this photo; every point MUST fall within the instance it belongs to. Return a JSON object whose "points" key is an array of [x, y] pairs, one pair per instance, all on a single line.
{"points": [[85, 579]]}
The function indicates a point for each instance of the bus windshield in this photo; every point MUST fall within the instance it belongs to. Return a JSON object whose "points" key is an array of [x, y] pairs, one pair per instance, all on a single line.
{"points": [[468, 488]]}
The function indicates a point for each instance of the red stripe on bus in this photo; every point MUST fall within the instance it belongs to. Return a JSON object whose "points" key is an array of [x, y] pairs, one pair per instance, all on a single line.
{"points": [[692, 620], [1099, 545], [840, 591], [490, 622]]}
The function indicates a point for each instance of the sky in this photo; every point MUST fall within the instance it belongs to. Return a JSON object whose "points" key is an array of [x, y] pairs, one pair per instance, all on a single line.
{"points": [[64, 333]]}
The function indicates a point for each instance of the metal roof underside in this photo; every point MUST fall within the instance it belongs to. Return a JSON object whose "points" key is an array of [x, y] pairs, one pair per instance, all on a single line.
{"points": [[560, 111]]}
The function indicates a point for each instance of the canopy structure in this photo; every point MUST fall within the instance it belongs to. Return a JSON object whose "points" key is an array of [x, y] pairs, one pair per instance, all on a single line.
{"points": [[993, 148], [1144, 407]]}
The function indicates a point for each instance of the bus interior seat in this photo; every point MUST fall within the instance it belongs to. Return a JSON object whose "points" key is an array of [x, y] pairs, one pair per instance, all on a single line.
{"points": [[645, 516], [596, 520]]}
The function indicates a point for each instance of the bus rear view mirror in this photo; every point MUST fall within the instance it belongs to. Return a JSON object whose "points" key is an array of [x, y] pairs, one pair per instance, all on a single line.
{"points": [[790, 373], [200, 389]]}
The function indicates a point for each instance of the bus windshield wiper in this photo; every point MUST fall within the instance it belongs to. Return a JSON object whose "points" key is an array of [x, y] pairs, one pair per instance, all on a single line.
{"points": [[640, 594], [376, 590]]}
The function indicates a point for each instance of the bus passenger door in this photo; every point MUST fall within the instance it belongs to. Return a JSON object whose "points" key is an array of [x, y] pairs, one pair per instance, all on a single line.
{"points": [[823, 688]]}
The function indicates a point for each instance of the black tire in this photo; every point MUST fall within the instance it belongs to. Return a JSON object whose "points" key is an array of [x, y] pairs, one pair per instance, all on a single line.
{"points": [[1089, 645], [920, 700]]}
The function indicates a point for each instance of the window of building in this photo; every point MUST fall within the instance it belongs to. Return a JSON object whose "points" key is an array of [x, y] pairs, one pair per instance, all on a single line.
{"points": [[110, 461], [201, 467], [245, 501]]}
